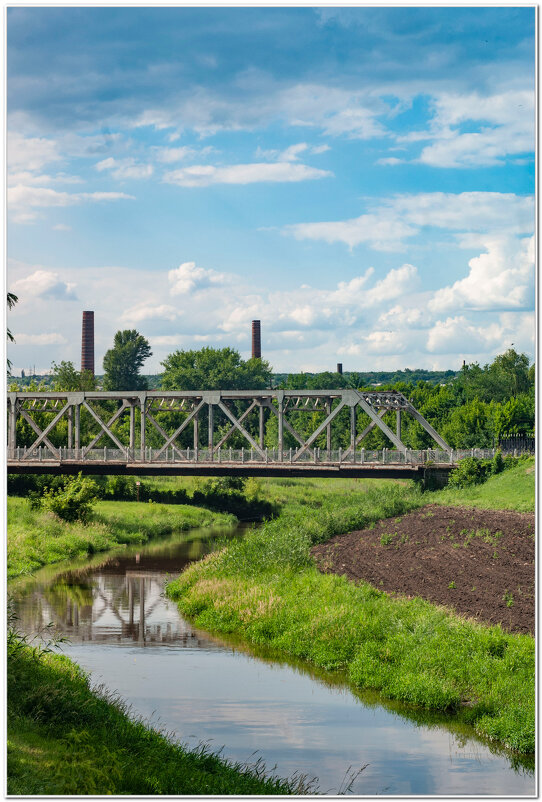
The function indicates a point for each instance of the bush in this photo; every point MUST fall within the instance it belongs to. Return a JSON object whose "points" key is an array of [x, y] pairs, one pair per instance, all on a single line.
{"points": [[470, 471], [73, 502]]}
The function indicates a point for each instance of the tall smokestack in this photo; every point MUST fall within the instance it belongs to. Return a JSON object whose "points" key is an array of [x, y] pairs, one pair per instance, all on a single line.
{"points": [[87, 342], [340, 368], [256, 340]]}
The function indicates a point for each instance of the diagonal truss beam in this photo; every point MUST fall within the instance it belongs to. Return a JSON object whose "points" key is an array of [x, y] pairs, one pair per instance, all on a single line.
{"points": [[287, 425], [320, 429], [380, 423], [365, 432], [106, 429], [232, 428], [42, 435], [429, 429], [164, 434], [241, 428], [109, 423], [181, 428]]}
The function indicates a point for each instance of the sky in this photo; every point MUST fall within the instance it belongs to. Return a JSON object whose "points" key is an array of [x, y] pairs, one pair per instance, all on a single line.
{"points": [[359, 179]]}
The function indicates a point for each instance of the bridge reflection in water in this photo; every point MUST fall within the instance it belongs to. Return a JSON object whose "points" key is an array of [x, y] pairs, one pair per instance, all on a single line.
{"points": [[121, 602]]}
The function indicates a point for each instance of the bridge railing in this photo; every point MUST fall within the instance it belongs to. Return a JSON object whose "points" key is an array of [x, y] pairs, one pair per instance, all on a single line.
{"points": [[317, 456]]}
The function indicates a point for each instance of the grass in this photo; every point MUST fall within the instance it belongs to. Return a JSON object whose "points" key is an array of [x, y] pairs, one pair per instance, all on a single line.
{"points": [[66, 739], [266, 590], [37, 538], [513, 489]]}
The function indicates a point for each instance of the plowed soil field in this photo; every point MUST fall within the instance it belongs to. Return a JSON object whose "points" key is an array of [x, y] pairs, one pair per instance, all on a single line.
{"points": [[479, 562]]}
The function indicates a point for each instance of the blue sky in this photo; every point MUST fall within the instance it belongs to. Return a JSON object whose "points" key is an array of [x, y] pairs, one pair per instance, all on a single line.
{"points": [[360, 179]]}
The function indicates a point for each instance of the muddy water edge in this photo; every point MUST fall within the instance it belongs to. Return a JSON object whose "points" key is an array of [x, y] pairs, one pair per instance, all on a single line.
{"points": [[131, 638]]}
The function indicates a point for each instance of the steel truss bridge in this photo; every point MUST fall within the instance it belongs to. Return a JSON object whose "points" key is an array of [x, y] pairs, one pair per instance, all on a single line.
{"points": [[243, 412]]}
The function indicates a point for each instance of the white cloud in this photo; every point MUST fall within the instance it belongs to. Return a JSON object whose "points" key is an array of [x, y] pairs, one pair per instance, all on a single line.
{"points": [[30, 153], [382, 232], [402, 216], [40, 339], [398, 316], [201, 175], [169, 155], [500, 278], [187, 278], [457, 335], [125, 168], [503, 122], [61, 227], [137, 314], [44, 284], [23, 200]]}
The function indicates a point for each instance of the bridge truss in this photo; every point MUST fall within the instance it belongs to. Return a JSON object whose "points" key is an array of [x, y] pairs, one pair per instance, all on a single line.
{"points": [[123, 419]]}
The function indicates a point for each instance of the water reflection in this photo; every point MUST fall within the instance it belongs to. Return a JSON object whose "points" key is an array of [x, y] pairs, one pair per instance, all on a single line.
{"points": [[122, 602], [206, 689]]}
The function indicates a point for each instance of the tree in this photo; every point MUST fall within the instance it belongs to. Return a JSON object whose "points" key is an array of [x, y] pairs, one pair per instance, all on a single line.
{"points": [[123, 362], [214, 369], [67, 379]]}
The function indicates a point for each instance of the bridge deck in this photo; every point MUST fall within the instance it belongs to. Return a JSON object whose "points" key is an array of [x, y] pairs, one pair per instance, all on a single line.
{"points": [[248, 468]]}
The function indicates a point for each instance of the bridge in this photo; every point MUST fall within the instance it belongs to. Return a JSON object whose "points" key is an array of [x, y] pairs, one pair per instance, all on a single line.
{"points": [[117, 425]]}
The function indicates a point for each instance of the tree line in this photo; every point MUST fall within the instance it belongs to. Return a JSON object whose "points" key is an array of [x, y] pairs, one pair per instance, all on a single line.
{"points": [[475, 407]]}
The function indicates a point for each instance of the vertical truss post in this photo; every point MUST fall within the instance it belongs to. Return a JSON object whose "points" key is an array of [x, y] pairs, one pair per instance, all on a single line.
{"points": [[69, 415], [77, 410], [328, 429], [211, 429], [352, 429], [398, 423], [196, 434], [261, 426], [143, 407], [280, 400], [12, 433], [132, 430]]}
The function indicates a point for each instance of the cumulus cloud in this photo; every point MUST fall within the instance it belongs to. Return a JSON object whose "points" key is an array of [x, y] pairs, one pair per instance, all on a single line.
{"points": [[44, 284], [169, 155], [500, 278], [457, 335], [382, 232], [291, 153], [188, 278], [201, 175]]}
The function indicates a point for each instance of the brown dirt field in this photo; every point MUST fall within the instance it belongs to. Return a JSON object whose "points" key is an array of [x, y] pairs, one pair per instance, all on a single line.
{"points": [[479, 562]]}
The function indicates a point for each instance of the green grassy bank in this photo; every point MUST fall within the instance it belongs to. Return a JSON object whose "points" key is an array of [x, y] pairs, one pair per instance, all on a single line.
{"points": [[65, 739], [267, 590], [512, 490], [37, 537]]}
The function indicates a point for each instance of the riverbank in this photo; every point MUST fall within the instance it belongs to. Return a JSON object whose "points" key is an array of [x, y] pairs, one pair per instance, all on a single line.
{"points": [[267, 590], [37, 537], [66, 739]]}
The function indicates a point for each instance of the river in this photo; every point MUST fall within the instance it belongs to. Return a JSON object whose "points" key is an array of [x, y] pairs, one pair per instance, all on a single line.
{"points": [[132, 639]]}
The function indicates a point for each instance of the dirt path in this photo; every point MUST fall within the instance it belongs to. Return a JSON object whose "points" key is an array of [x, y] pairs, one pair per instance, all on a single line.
{"points": [[480, 562]]}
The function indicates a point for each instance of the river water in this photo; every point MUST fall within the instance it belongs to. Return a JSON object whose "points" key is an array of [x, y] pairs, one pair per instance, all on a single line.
{"points": [[131, 638]]}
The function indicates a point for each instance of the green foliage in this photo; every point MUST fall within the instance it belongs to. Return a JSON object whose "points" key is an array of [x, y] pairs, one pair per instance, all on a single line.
{"points": [[74, 501], [470, 471], [123, 362], [66, 378], [214, 369], [36, 538]]}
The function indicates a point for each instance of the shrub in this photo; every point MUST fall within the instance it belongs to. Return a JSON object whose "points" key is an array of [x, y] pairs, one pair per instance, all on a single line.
{"points": [[470, 471], [73, 502]]}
